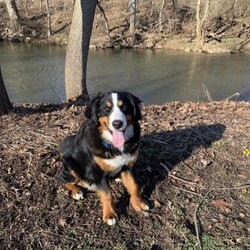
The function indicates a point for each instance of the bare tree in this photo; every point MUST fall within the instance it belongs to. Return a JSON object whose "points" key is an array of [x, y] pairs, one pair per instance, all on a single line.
{"points": [[48, 18], [5, 104], [41, 5], [160, 14], [104, 16], [26, 7], [78, 47], [234, 7], [200, 23], [15, 19], [175, 7], [132, 19]]}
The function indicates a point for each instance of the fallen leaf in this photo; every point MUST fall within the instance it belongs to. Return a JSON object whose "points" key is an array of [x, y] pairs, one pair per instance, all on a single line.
{"points": [[245, 190], [242, 215], [218, 143], [157, 203], [165, 124], [242, 176], [246, 152], [170, 205], [222, 205], [62, 222], [205, 163]]}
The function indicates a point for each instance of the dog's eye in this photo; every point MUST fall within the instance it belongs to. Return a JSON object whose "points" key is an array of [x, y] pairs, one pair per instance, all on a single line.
{"points": [[107, 109], [122, 107]]}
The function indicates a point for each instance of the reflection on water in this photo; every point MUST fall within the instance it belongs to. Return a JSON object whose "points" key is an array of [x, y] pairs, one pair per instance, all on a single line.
{"points": [[36, 74]]}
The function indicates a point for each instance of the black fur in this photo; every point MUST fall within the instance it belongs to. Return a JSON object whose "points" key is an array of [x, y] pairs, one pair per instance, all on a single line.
{"points": [[78, 150]]}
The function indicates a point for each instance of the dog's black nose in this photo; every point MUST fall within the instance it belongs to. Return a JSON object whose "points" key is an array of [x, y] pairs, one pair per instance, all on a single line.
{"points": [[117, 124]]}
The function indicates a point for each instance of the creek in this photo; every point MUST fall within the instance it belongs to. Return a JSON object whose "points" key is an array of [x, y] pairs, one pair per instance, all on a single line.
{"points": [[35, 73]]}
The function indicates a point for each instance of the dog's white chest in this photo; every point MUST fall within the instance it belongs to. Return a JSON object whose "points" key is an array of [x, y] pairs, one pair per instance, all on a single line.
{"points": [[121, 160]]}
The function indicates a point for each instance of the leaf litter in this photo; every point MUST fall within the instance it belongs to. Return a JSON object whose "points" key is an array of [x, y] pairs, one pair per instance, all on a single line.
{"points": [[187, 149]]}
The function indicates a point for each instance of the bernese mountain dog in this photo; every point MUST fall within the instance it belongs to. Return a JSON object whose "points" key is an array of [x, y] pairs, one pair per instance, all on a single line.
{"points": [[105, 147]]}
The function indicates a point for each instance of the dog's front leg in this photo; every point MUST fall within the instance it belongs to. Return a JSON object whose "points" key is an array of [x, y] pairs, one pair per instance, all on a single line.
{"points": [[132, 188], [109, 215]]}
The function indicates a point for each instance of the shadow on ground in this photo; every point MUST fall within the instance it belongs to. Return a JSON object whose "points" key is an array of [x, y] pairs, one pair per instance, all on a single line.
{"points": [[171, 148]]}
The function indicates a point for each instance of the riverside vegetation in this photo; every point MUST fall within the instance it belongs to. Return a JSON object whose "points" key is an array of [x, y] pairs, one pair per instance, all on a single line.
{"points": [[209, 26]]}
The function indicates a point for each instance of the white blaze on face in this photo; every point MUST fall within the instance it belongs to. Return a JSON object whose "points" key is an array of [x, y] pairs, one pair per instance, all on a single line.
{"points": [[118, 138], [116, 114]]}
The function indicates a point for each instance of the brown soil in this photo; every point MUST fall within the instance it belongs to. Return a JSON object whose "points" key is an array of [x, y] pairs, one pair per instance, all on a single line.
{"points": [[203, 145]]}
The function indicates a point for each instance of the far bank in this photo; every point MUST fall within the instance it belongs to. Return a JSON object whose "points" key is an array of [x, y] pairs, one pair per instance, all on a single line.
{"points": [[171, 26]]}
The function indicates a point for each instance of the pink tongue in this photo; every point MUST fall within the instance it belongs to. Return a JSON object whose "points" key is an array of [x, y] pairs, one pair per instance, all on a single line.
{"points": [[118, 139]]}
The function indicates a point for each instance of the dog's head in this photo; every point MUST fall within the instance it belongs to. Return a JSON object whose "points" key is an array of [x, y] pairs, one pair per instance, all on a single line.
{"points": [[115, 114]]}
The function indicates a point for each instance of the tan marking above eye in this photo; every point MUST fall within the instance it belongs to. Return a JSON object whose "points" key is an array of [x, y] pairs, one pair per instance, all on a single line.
{"points": [[120, 103], [109, 104]]}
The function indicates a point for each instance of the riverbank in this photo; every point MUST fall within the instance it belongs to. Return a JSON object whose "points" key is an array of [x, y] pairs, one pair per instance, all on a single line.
{"points": [[200, 147], [225, 32]]}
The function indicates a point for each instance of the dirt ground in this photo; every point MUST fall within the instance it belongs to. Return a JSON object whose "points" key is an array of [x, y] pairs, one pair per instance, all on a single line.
{"points": [[193, 169]]}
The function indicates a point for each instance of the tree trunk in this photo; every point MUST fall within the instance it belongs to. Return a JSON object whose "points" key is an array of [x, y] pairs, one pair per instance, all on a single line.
{"points": [[5, 104], [160, 14], [200, 27], [104, 16], [48, 18], [175, 7], [13, 14], [234, 8], [26, 7], [198, 22], [41, 6], [132, 19], [77, 49]]}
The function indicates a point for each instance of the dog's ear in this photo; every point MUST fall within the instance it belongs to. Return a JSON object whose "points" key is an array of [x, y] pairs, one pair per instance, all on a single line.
{"points": [[91, 111], [136, 102]]}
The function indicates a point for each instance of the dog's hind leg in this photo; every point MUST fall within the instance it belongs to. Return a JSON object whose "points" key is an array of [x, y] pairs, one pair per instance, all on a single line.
{"points": [[74, 190]]}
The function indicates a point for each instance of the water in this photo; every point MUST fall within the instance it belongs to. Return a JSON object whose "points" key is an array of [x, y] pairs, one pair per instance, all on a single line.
{"points": [[36, 74]]}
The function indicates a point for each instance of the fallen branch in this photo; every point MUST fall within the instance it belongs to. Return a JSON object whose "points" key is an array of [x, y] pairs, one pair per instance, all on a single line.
{"points": [[231, 96], [176, 177], [196, 219], [187, 191]]}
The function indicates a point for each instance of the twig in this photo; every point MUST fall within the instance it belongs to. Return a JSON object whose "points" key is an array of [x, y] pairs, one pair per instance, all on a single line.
{"points": [[196, 219], [176, 177], [187, 191], [206, 92], [233, 188], [185, 164], [231, 96]]}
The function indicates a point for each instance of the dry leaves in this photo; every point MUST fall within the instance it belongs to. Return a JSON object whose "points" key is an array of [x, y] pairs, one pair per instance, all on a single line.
{"points": [[222, 205]]}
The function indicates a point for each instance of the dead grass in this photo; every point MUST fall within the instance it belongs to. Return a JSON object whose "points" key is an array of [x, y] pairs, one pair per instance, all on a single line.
{"points": [[201, 145]]}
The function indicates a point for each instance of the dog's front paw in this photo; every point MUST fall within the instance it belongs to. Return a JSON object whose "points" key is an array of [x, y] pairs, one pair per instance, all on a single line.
{"points": [[77, 195], [137, 204], [110, 218]]}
